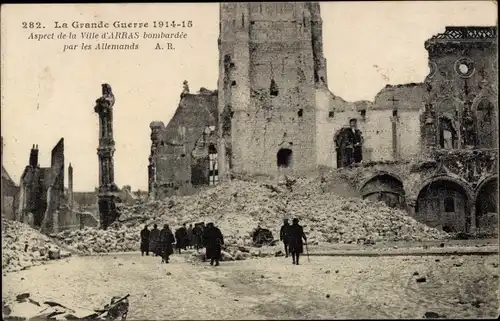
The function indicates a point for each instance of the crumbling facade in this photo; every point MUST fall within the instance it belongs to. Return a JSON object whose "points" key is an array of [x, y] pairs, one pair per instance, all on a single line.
{"points": [[430, 148], [184, 153], [42, 190], [105, 151]]}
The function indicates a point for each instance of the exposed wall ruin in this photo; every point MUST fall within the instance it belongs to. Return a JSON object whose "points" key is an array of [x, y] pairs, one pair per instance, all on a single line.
{"points": [[42, 190], [180, 150]]}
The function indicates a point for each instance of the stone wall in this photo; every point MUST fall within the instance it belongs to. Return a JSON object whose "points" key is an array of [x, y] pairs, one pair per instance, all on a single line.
{"points": [[268, 70], [172, 146]]}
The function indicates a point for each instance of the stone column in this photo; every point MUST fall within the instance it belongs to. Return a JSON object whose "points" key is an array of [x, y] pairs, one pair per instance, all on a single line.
{"points": [[472, 215], [105, 151]]}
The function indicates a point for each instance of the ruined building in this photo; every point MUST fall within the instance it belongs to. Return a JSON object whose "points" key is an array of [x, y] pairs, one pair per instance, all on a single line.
{"points": [[427, 147], [107, 187], [42, 190], [10, 191]]}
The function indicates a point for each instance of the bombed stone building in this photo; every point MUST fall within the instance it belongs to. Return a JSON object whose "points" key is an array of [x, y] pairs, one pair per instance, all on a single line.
{"points": [[43, 202], [427, 147]]}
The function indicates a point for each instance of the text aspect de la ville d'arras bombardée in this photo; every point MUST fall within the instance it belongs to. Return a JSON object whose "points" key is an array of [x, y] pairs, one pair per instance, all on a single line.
{"points": [[110, 36]]}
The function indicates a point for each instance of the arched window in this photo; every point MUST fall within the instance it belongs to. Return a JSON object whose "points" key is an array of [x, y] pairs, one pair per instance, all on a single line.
{"points": [[284, 157], [447, 134]]}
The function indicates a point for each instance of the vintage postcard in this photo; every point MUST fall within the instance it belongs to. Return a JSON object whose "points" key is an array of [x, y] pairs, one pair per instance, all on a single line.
{"points": [[250, 160]]}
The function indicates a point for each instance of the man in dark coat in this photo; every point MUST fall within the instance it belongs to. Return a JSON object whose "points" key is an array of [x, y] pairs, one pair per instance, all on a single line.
{"points": [[355, 142], [296, 246], [198, 235], [285, 235], [154, 240], [166, 242], [190, 236], [145, 240], [214, 240]]}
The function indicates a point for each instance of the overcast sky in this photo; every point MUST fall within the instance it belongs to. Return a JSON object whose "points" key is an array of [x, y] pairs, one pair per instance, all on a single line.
{"points": [[48, 94]]}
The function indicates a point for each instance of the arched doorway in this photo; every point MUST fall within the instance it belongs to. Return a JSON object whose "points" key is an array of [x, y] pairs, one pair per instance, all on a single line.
{"points": [[487, 205], [284, 158], [384, 187], [443, 203], [348, 147]]}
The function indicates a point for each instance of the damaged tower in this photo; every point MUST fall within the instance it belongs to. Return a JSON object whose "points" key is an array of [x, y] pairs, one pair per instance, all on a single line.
{"points": [[107, 186], [271, 59]]}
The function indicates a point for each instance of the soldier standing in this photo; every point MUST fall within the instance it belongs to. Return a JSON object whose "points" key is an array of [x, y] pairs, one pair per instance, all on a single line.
{"points": [[153, 239], [214, 240], [285, 235], [166, 241], [190, 236], [296, 246], [145, 240]]}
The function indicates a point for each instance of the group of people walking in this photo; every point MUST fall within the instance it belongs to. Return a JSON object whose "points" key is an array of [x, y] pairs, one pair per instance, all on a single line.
{"points": [[162, 242], [292, 236]]}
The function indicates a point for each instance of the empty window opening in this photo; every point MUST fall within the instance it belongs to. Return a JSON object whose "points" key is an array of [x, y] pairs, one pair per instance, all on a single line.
{"points": [[231, 65], [227, 58], [394, 113], [331, 114], [284, 157], [449, 205], [232, 114], [183, 155], [252, 23], [273, 89], [233, 83], [363, 113], [213, 170], [242, 20], [300, 112]]}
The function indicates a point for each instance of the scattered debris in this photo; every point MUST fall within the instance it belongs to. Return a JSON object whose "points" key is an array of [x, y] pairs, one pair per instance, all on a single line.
{"points": [[26, 308]]}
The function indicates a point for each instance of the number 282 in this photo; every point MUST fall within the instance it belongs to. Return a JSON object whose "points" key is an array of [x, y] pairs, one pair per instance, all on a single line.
{"points": [[32, 25]]}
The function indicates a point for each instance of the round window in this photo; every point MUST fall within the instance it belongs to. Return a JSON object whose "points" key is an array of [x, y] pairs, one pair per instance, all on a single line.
{"points": [[464, 67]]}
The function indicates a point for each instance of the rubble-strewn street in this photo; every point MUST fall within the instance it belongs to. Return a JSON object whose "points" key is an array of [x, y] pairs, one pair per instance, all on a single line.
{"points": [[325, 287], [238, 207]]}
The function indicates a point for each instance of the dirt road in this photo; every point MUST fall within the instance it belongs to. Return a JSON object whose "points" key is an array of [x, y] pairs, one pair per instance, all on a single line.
{"points": [[326, 287]]}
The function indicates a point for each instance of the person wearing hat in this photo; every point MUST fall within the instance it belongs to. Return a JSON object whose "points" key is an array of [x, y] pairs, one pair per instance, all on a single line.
{"points": [[296, 245], [285, 235]]}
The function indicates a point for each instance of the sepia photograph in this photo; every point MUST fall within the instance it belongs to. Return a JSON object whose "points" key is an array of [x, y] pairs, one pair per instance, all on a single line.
{"points": [[250, 160]]}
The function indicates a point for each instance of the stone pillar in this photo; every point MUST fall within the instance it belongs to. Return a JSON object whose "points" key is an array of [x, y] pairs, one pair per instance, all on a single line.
{"points": [[105, 151], [472, 215]]}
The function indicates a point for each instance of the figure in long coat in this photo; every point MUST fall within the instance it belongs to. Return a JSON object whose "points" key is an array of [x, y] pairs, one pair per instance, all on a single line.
{"points": [[296, 246], [145, 240], [214, 240], [190, 235], [180, 237], [154, 236], [285, 235], [166, 243]]}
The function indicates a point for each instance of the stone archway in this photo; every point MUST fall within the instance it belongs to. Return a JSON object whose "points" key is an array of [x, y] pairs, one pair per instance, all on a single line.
{"points": [[385, 187], [284, 158], [444, 203], [487, 205]]}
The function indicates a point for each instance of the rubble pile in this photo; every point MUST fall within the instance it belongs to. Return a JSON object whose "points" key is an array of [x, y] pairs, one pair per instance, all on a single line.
{"points": [[23, 247], [238, 207]]}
